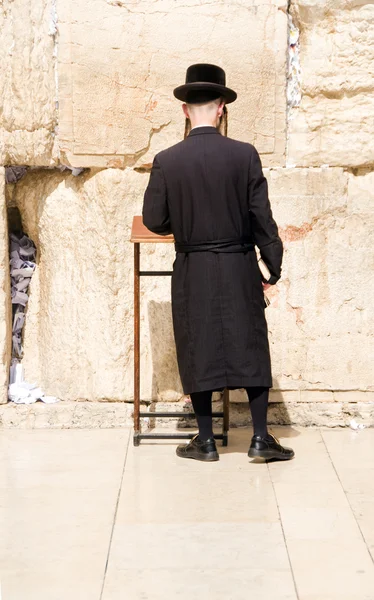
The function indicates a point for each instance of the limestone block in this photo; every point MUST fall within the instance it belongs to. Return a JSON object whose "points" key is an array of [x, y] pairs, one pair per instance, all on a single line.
{"points": [[334, 122], [321, 414], [27, 82], [78, 339], [321, 324], [120, 61], [5, 310], [66, 415]]}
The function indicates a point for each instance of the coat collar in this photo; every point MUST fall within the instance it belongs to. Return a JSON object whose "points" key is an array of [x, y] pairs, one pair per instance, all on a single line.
{"points": [[204, 129]]}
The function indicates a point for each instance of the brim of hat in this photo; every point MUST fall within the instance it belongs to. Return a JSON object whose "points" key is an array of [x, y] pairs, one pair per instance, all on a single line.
{"points": [[180, 92]]}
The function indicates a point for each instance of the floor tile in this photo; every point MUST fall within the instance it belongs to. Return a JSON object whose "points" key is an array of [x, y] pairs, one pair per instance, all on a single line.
{"points": [[197, 497], [67, 458], [328, 554], [349, 448], [311, 462], [306, 494], [352, 453], [293, 530], [186, 583], [73, 579], [319, 523], [58, 496], [176, 545], [331, 569]]}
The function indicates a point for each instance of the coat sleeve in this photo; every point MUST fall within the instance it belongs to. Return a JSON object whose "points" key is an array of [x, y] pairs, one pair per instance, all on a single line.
{"points": [[155, 207], [264, 228]]}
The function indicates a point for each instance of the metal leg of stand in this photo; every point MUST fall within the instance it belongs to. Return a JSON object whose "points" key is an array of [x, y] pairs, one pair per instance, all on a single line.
{"points": [[226, 417], [136, 344], [138, 435]]}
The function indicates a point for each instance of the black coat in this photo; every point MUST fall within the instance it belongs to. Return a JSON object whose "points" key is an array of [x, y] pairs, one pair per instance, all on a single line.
{"points": [[210, 187]]}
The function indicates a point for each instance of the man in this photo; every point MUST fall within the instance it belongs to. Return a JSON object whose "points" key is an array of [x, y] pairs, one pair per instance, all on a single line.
{"points": [[210, 192]]}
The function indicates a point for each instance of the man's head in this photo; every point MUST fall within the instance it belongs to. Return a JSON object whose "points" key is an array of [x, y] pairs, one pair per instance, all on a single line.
{"points": [[205, 96], [204, 113], [204, 107]]}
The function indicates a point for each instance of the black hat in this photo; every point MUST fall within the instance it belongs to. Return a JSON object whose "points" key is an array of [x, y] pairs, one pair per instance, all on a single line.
{"points": [[204, 82]]}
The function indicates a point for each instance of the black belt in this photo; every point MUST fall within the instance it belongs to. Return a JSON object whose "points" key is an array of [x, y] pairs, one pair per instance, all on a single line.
{"points": [[227, 245]]}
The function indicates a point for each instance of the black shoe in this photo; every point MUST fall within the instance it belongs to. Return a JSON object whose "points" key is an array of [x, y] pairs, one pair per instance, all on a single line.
{"points": [[269, 447], [199, 449]]}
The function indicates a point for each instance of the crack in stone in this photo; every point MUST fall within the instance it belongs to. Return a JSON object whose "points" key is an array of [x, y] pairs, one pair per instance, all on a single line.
{"points": [[293, 79], [53, 32], [130, 160], [121, 4]]}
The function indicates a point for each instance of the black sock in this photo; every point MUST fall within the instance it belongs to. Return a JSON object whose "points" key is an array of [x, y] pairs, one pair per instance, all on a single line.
{"points": [[202, 405], [258, 401]]}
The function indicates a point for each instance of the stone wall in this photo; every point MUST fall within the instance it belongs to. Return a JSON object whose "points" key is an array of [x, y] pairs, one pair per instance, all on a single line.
{"points": [[333, 124], [28, 100], [119, 62], [89, 84]]}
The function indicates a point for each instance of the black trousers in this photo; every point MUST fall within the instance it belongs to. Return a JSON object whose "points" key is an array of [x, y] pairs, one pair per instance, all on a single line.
{"points": [[258, 398]]}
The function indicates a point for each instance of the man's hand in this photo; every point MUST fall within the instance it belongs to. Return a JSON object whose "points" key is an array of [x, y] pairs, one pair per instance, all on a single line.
{"points": [[266, 286]]}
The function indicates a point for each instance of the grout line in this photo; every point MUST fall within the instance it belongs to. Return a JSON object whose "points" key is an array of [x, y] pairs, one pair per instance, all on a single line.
{"points": [[284, 535], [115, 513], [347, 498]]}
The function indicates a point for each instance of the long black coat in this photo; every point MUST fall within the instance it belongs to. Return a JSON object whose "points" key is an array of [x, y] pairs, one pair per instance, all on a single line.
{"points": [[210, 187]]}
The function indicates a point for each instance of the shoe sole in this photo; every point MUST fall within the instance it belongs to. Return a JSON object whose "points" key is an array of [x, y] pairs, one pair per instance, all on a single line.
{"points": [[253, 453], [207, 458]]}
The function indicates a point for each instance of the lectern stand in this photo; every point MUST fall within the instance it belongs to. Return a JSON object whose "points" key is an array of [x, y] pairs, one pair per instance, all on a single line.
{"points": [[141, 235]]}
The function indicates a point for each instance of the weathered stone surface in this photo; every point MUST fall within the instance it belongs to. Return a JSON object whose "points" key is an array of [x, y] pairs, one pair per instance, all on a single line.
{"points": [[79, 415], [311, 414], [334, 123], [78, 339], [309, 396], [321, 323], [27, 82], [5, 314], [66, 415], [119, 63], [79, 328]]}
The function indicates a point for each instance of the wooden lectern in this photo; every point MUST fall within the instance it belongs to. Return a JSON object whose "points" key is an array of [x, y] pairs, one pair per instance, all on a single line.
{"points": [[140, 234]]}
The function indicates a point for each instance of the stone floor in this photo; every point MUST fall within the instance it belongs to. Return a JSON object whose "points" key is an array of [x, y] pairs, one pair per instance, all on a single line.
{"points": [[85, 515]]}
